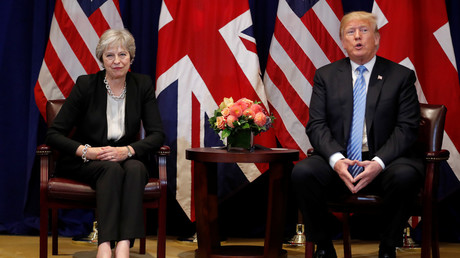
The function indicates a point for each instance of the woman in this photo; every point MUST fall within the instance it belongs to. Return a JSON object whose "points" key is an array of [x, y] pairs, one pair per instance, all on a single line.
{"points": [[106, 109]]}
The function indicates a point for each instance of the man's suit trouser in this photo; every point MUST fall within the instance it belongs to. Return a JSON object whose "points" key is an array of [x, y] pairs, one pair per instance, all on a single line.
{"points": [[315, 182]]}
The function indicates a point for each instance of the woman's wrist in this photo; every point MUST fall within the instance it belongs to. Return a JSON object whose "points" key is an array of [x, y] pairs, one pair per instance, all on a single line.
{"points": [[84, 152], [129, 153]]}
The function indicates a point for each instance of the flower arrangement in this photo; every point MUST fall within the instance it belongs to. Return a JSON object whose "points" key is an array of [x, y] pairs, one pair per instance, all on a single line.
{"points": [[246, 115]]}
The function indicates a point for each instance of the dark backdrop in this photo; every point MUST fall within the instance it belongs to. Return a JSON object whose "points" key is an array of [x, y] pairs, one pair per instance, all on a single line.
{"points": [[24, 29]]}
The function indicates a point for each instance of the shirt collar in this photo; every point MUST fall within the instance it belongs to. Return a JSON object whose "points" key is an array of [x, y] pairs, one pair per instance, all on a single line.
{"points": [[369, 65]]}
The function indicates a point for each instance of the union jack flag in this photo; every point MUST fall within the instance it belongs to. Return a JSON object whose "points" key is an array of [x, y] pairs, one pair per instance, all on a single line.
{"points": [[428, 50], [206, 51], [75, 30]]}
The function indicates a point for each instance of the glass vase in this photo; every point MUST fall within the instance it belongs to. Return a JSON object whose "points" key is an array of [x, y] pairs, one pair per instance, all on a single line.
{"points": [[242, 140]]}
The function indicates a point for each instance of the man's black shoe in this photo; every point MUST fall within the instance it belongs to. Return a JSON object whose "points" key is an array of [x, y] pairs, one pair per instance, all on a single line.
{"points": [[328, 253]]}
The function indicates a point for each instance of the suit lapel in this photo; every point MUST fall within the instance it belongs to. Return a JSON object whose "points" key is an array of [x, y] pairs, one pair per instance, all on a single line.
{"points": [[373, 92], [346, 93], [130, 103], [102, 103]]}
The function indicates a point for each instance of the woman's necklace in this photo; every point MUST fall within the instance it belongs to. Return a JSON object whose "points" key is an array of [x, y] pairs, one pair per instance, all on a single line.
{"points": [[109, 90]]}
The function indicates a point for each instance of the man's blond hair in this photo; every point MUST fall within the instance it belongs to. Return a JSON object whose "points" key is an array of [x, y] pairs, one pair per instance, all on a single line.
{"points": [[359, 15]]}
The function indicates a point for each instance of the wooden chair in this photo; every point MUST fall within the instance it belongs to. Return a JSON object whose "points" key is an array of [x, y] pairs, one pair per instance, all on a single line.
{"points": [[430, 140], [61, 193]]}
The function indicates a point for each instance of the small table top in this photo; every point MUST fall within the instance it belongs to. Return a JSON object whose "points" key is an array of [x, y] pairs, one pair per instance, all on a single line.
{"points": [[221, 155]]}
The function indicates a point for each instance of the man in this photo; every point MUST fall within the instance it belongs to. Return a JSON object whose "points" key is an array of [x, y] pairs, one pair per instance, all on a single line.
{"points": [[364, 118]]}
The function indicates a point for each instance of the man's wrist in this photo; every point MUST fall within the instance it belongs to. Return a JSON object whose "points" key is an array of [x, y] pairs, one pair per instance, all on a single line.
{"points": [[334, 158], [380, 161]]}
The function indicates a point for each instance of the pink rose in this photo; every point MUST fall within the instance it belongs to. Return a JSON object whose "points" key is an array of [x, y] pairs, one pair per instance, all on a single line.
{"points": [[230, 120], [257, 108], [236, 110], [225, 112], [244, 103], [220, 122], [249, 113], [260, 119]]}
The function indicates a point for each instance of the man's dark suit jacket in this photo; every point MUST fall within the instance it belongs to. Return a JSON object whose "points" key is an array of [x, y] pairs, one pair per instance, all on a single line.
{"points": [[392, 110], [85, 110]]}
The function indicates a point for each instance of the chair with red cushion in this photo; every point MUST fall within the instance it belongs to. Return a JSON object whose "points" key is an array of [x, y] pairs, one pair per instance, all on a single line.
{"points": [[430, 140], [61, 193]]}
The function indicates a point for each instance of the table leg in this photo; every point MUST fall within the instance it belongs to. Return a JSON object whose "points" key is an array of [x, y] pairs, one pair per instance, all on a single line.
{"points": [[206, 212], [276, 210]]}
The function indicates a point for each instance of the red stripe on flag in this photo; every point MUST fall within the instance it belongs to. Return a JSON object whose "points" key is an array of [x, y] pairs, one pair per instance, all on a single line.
{"points": [[251, 46], [336, 7], [289, 94], [57, 70], [322, 37], [98, 21], [40, 99], [295, 52], [117, 5], [74, 39], [195, 122]]}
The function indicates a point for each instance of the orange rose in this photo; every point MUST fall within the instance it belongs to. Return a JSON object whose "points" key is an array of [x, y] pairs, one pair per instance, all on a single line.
{"points": [[225, 112], [257, 108], [244, 103], [249, 113], [260, 119], [230, 120], [235, 110], [221, 122]]}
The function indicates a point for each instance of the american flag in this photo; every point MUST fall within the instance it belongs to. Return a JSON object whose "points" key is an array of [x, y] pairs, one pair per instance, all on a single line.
{"points": [[206, 51], [75, 30], [306, 37]]}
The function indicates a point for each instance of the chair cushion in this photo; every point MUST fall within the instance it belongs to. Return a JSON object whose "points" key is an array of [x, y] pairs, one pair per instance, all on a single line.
{"points": [[68, 189], [355, 203], [152, 189]]}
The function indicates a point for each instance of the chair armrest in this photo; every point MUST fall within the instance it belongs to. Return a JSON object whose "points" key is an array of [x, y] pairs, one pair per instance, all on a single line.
{"points": [[163, 151], [44, 152], [162, 154], [433, 160], [437, 156], [310, 152]]}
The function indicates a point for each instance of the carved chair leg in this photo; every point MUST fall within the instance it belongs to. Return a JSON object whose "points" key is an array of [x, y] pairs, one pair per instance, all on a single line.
{"points": [[54, 230], [309, 249], [44, 232], [346, 235]]}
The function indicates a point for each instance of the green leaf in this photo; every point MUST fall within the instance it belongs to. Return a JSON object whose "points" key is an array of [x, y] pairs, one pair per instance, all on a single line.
{"points": [[225, 133]]}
